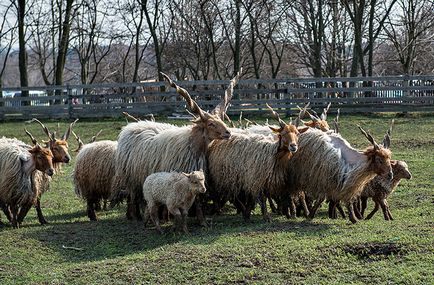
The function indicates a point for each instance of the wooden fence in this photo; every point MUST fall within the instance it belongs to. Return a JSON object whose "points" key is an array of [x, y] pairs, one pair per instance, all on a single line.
{"points": [[361, 95]]}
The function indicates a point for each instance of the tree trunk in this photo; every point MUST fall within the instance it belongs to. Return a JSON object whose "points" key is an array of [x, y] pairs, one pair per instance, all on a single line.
{"points": [[22, 57]]}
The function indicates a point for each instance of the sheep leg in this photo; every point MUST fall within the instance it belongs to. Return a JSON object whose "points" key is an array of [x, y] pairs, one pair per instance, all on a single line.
{"points": [[23, 212], [41, 218], [304, 205], [97, 206], [376, 207], [292, 207], [351, 214], [272, 206], [91, 211], [184, 214], [385, 208], [356, 210], [332, 209], [7, 212], [146, 215], [178, 217], [340, 209], [315, 207], [364, 201], [264, 212], [14, 211], [154, 217], [199, 212]]}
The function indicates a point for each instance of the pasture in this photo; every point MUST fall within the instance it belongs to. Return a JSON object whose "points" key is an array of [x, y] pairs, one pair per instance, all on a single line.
{"points": [[72, 250]]}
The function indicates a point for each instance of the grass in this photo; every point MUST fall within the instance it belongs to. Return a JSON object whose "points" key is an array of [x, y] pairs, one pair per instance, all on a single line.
{"points": [[72, 250]]}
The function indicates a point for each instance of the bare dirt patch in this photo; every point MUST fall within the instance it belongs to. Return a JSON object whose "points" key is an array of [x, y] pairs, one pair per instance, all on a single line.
{"points": [[375, 250]]}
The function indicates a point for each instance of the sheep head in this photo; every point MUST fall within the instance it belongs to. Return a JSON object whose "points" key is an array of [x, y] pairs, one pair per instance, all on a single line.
{"points": [[378, 156], [59, 147], [212, 124], [400, 170], [197, 181], [317, 122], [42, 157], [287, 133]]}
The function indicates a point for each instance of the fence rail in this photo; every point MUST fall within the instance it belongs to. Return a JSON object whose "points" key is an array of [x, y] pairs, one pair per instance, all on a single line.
{"points": [[357, 94]]}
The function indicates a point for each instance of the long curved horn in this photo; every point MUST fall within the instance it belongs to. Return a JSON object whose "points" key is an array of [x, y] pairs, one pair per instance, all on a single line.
{"points": [[324, 112], [93, 139], [34, 141], [192, 105], [386, 139], [68, 131], [369, 137], [276, 116], [79, 141], [302, 113], [47, 132], [128, 116], [336, 122], [222, 107]]}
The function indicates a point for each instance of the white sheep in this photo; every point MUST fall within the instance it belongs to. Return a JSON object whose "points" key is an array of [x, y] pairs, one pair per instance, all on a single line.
{"points": [[18, 162], [94, 171], [176, 190], [147, 147]]}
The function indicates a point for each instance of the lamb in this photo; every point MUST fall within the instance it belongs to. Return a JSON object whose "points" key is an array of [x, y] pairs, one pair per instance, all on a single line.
{"points": [[252, 165], [147, 147], [380, 188], [93, 174], [326, 166], [41, 182], [175, 190], [18, 162]]}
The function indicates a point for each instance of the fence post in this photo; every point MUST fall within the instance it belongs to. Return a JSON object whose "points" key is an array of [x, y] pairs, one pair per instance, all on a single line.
{"points": [[69, 93]]}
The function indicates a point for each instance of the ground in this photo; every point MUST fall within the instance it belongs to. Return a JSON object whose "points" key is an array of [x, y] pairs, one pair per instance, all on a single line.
{"points": [[73, 250]]}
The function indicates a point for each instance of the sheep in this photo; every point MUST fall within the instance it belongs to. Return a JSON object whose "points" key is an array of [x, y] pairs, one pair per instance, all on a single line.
{"points": [[326, 166], [18, 162], [295, 197], [380, 188], [93, 174], [59, 149], [177, 191], [252, 165], [147, 147]]}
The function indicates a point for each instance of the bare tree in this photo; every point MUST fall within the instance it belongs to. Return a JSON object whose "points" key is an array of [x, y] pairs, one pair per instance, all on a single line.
{"points": [[407, 29], [374, 13], [160, 22], [7, 37]]}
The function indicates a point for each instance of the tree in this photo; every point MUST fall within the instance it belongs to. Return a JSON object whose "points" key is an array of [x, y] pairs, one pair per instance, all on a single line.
{"points": [[7, 37], [408, 31]]}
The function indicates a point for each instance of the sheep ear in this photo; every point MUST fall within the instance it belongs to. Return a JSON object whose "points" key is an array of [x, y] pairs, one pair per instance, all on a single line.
{"points": [[276, 131], [186, 174], [302, 129]]}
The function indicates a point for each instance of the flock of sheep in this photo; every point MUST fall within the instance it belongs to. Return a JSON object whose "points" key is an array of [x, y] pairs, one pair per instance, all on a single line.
{"points": [[161, 169]]}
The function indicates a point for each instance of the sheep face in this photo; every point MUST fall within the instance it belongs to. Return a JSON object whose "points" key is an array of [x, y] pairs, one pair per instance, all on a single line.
{"points": [[197, 181], [60, 151], [380, 161], [400, 170], [43, 158], [288, 136], [214, 126], [319, 124]]}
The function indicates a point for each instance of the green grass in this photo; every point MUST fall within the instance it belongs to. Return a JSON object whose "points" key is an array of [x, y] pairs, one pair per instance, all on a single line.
{"points": [[321, 251]]}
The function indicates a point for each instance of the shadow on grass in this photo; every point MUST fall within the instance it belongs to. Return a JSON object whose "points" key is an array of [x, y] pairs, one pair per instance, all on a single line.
{"points": [[81, 241]]}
